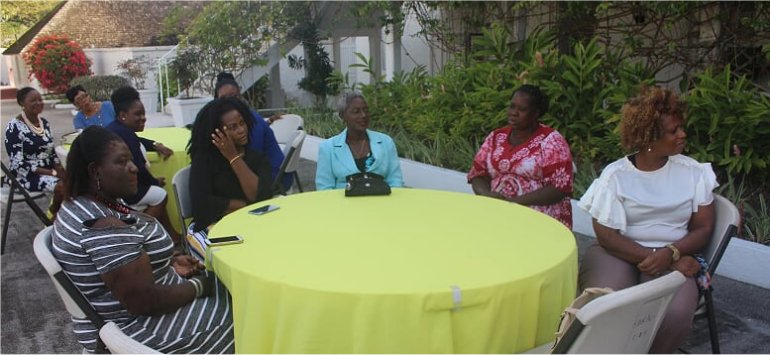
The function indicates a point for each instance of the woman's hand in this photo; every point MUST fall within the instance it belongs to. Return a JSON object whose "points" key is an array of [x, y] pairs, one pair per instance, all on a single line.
{"points": [[163, 151], [161, 181], [687, 265], [225, 145], [187, 266], [656, 262], [59, 171]]}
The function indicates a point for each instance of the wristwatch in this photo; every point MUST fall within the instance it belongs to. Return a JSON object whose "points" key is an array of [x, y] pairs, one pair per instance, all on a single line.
{"points": [[675, 256]]}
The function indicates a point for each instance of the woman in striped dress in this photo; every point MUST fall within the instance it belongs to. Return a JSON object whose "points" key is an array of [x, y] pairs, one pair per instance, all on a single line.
{"points": [[123, 261]]}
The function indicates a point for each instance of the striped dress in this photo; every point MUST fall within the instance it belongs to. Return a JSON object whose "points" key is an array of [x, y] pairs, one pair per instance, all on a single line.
{"points": [[203, 326]]}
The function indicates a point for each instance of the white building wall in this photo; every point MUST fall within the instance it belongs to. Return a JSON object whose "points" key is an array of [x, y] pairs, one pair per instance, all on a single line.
{"points": [[4, 70], [104, 61]]}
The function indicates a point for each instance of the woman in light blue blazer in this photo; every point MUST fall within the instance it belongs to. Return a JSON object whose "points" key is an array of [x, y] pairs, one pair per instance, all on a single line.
{"points": [[356, 150]]}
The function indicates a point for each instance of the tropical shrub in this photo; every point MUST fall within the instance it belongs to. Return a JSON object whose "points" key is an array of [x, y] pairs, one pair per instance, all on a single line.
{"points": [[54, 60], [100, 87], [136, 70], [729, 124]]}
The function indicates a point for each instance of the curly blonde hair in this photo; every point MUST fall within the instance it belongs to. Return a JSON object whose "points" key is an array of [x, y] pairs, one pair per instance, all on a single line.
{"points": [[641, 116]]}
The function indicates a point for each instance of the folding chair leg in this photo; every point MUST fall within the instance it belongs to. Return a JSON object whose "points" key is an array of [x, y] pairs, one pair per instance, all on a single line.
{"points": [[296, 178], [39, 212], [7, 218], [710, 313]]}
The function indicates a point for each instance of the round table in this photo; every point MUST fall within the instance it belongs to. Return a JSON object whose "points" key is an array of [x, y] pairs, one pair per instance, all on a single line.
{"points": [[419, 271]]}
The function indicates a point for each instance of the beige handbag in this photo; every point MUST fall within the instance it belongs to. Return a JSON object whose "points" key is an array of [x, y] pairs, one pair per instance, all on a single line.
{"points": [[568, 315]]}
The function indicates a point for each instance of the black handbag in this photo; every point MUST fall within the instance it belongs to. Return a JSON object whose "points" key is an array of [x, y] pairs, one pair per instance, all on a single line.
{"points": [[366, 184]]}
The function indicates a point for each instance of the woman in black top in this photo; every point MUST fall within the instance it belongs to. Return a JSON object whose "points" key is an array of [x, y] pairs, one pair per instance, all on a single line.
{"points": [[225, 175]]}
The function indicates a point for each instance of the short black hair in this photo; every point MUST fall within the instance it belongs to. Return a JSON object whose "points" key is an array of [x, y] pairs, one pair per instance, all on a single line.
{"points": [[90, 146], [22, 94], [122, 98], [210, 118], [536, 97], [224, 79], [73, 91]]}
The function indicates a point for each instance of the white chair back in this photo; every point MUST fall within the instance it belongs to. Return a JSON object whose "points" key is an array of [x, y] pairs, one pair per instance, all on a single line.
{"points": [[285, 127], [120, 343], [623, 322], [181, 185], [290, 162], [42, 248], [726, 221]]}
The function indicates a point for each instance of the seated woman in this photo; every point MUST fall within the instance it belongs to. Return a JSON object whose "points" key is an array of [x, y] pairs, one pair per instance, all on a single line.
{"points": [[356, 150], [30, 145], [261, 137], [652, 211], [526, 162], [121, 259], [226, 174], [90, 113], [150, 196]]}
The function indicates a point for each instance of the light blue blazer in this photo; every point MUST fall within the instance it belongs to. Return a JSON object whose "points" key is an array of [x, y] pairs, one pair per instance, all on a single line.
{"points": [[335, 161]]}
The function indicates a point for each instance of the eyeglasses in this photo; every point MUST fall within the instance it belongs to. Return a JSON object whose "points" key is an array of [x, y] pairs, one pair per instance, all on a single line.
{"points": [[81, 98]]}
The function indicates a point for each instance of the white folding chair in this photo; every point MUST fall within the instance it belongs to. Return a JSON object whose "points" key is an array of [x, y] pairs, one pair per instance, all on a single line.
{"points": [[727, 219], [76, 304], [621, 322], [285, 127], [180, 183], [17, 193], [120, 343], [290, 162]]}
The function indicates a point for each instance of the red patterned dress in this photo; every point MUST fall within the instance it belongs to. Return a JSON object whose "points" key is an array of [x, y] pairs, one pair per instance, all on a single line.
{"points": [[541, 161]]}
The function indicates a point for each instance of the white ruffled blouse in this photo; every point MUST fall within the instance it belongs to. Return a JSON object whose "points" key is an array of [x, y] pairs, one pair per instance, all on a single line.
{"points": [[651, 207]]}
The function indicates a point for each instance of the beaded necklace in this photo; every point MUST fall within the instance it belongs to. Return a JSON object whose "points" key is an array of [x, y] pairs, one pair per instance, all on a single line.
{"points": [[114, 205], [39, 130]]}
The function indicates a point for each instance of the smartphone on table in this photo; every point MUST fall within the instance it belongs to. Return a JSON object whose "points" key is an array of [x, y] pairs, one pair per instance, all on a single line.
{"points": [[264, 209], [230, 239]]}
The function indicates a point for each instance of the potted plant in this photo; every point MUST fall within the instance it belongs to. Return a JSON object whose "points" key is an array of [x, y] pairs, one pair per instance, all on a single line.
{"points": [[136, 70], [185, 107]]}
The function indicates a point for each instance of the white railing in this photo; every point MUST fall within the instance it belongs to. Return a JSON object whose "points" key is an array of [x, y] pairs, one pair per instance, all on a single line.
{"points": [[162, 63]]}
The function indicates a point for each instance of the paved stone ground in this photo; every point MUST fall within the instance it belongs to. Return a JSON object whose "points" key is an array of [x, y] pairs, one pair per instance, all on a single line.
{"points": [[33, 319]]}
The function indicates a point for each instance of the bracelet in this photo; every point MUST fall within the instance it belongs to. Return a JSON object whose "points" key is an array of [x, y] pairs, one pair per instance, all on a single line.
{"points": [[675, 255], [234, 159], [198, 285]]}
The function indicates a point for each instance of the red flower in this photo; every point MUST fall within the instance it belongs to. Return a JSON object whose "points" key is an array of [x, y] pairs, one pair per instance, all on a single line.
{"points": [[55, 60]]}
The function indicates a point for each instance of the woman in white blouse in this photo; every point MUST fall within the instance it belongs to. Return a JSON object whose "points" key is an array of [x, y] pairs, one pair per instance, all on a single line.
{"points": [[652, 211]]}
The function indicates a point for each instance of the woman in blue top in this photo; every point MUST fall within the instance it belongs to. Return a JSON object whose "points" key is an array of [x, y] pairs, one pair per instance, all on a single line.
{"points": [[90, 113], [357, 149], [261, 137]]}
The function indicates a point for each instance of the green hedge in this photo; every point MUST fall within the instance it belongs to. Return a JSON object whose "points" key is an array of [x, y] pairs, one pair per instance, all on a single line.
{"points": [[100, 87]]}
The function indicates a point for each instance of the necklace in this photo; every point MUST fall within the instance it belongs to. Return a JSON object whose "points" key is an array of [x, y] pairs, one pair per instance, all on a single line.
{"points": [[39, 130], [97, 113], [114, 205], [361, 147]]}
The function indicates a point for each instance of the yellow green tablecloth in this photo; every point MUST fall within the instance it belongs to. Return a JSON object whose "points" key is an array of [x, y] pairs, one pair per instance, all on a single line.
{"points": [[419, 271], [176, 139]]}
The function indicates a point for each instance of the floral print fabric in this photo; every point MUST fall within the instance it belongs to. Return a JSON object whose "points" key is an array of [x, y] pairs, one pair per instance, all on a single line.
{"points": [[543, 160], [28, 151]]}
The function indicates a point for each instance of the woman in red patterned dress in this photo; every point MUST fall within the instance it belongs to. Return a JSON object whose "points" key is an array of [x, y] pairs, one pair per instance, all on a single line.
{"points": [[526, 162]]}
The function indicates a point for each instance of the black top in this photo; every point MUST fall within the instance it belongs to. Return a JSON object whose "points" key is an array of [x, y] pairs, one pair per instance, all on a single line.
{"points": [[213, 184], [144, 178]]}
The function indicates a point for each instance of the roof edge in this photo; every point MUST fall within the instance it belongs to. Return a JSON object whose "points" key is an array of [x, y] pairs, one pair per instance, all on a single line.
{"points": [[28, 36]]}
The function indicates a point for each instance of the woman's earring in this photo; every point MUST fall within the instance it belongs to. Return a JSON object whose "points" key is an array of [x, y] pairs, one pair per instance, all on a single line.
{"points": [[649, 148], [98, 183]]}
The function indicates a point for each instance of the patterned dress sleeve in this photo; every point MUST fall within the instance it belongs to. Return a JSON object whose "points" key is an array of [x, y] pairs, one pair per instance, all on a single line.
{"points": [[557, 169], [14, 145], [479, 167]]}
